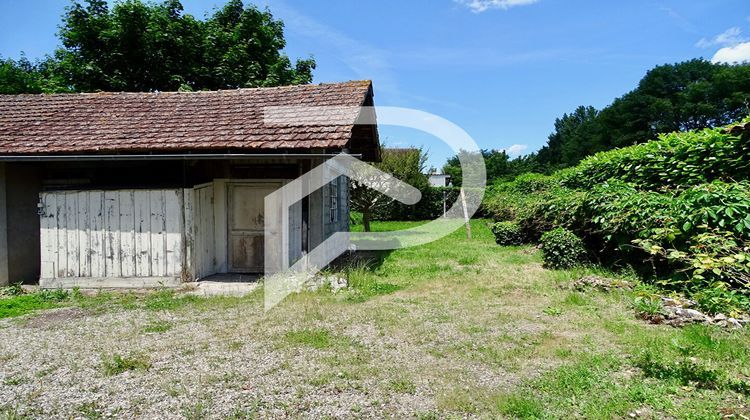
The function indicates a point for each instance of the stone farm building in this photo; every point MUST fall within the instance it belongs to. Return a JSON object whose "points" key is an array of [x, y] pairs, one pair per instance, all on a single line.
{"points": [[142, 189]]}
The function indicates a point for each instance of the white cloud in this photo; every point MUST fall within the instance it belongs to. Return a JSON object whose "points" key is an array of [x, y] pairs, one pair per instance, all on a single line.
{"points": [[739, 53], [728, 38], [479, 6], [516, 149]]}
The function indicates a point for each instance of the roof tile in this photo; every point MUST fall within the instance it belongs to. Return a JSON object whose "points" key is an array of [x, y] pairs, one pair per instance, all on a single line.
{"points": [[173, 121]]}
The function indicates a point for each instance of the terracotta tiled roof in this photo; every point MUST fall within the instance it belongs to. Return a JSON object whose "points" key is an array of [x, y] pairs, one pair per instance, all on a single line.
{"points": [[171, 122]]}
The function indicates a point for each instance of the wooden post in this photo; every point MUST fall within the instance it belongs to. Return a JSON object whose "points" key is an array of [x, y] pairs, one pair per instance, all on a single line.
{"points": [[466, 214]]}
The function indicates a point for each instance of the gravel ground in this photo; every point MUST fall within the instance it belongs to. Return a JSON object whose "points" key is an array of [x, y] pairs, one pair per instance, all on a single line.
{"points": [[406, 354]]}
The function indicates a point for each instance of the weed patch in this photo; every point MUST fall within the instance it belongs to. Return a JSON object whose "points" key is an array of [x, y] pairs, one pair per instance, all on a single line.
{"points": [[157, 327], [316, 338], [688, 371], [117, 364], [17, 305]]}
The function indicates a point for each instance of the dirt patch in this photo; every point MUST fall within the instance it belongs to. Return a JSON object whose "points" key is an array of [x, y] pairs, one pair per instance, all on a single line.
{"points": [[53, 317]]}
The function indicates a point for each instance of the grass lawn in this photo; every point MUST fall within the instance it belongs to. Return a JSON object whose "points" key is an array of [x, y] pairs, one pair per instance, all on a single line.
{"points": [[454, 328]]}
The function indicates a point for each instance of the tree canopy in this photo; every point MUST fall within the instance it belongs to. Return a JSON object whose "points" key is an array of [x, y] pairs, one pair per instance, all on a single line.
{"points": [[407, 165], [498, 164], [138, 46], [685, 96]]}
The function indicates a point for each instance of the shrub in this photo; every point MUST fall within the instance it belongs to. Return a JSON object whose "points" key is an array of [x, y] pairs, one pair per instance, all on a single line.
{"points": [[532, 183], [507, 233], [676, 209], [429, 207], [562, 249], [675, 160], [559, 207]]}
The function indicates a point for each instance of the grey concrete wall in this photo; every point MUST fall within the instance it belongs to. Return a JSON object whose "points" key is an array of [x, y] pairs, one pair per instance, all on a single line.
{"points": [[4, 276], [23, 184]]}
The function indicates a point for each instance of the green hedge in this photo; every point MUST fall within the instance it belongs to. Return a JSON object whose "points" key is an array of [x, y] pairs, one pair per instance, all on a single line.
{"points": [[676, 209], [676, 160], [561, 248], [508, 233], [428, 208]]}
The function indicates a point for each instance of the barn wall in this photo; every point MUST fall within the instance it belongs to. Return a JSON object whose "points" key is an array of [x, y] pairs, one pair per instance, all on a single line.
{"points": [[4, 277], [112, 234], [321, 226], [203, 232], [23, 186]]}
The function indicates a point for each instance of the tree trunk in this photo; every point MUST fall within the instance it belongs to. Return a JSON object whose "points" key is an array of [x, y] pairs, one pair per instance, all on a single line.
{"points": [[366, 219]]}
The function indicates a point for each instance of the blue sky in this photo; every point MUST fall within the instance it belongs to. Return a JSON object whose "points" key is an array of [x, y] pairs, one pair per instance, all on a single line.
{"points": [[503, 70]]}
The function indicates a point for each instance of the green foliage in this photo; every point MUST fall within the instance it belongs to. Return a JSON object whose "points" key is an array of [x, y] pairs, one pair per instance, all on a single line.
{"points": [[317, 338], [507, 233], [117, 364], [21, 304], [139, 46], [14, 289], [536, 202], [165, 300], [498, 165], [573, 138], [717, 298], [408, 165], [562, 249], [677, 209], [648, 305], [429, 207], [676, 160], [158, 327], [691, 95], [688, 371], [364, 283], [23, 76], [521, 406]]}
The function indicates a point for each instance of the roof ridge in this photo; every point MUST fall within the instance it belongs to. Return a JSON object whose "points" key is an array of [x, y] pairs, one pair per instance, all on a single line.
{"points": [[357, 83]]}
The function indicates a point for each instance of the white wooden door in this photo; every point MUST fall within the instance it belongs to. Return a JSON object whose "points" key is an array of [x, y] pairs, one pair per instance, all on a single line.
{"points": [[117, 233], [245, 225]]}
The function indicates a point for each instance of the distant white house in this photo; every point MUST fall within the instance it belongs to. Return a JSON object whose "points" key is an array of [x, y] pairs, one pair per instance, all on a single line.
{"points": [[439, 180]]}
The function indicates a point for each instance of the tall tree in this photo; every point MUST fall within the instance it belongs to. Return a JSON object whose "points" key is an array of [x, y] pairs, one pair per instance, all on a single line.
{"points": [[690, 95], [573, 138], [138, 46], [498, 165], [23, 76], [408, 165]]}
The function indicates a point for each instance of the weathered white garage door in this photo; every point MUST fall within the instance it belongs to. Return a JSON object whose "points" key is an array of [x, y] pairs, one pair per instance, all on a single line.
{"points": [[121, 233]]}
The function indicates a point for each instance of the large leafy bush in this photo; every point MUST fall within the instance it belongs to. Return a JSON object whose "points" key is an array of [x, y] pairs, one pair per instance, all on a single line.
{"points": [[561, 248], [676, 209], [676, 160], [507, 233]]}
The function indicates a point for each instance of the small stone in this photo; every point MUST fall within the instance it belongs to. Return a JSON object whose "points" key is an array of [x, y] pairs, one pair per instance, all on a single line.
{"points": [[671, 312], [719, 317], [670, 302], [692, 315], [337, 283], [734, 323]]}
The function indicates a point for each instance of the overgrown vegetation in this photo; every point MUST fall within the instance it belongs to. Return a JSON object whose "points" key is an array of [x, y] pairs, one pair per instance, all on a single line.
{"points": [[676, 209], [561, 248], [15, 302], [507, 233]]}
